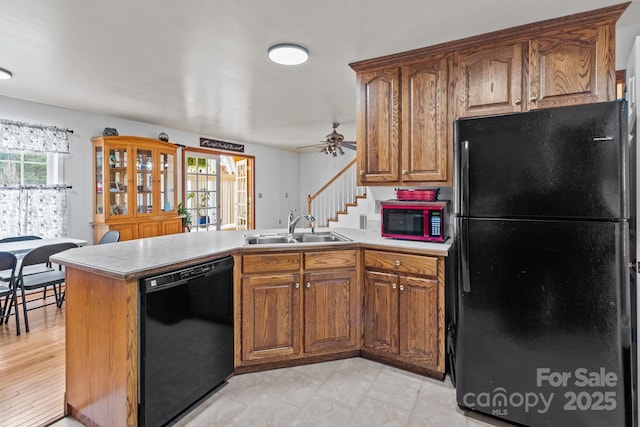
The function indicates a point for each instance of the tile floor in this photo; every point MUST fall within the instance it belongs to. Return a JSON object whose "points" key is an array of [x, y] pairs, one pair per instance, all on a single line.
{"points": [[351, 392]]}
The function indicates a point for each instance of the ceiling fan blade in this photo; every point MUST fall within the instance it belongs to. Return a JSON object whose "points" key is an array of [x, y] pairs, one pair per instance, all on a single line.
{"points": [[312, 145], [349, 146]]}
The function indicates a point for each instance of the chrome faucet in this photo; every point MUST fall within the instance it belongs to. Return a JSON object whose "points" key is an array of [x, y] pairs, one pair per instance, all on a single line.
{"points": [[292, 222]]}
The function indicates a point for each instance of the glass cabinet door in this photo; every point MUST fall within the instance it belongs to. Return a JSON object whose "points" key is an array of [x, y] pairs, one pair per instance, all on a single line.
{"points": [[144, 181], [167, 181], [99, 208], [118, 179]]}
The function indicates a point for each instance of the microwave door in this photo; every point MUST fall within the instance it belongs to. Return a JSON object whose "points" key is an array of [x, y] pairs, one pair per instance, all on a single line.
{"points": [[399, 222]]}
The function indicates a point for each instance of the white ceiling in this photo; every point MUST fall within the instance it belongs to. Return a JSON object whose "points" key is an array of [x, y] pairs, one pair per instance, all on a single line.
{"points": [[201, 65]]}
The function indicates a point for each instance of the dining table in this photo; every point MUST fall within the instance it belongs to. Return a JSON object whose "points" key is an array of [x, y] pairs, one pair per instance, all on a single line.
{"points": [[23, 246]]}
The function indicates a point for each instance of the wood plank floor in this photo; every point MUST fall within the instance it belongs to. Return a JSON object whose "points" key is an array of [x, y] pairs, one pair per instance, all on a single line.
{"points": [[32, 369]]}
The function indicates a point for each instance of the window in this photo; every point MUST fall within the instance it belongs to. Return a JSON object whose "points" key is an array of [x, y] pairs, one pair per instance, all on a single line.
{"points": [[28, 168], [33, 199]]}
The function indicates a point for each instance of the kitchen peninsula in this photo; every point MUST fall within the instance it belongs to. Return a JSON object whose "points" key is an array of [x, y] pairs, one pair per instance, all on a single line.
{"points": [[103, 295]]}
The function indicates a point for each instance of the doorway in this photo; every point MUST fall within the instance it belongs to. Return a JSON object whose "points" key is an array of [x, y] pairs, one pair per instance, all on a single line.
{"points": [[218, 190]]}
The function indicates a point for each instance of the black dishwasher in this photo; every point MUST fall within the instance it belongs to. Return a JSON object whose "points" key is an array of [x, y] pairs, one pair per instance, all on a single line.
{"points": [[186, 338]]}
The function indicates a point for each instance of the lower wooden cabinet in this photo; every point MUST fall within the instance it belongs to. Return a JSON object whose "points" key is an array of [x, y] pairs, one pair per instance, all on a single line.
{"points": [[284, 317], [319, 304], [404, 310], [139, 229]]}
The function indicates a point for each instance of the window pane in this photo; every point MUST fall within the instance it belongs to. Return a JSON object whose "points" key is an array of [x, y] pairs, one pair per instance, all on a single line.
{"points": [[35, 174], [9, 155], [35, 157], [9, 173]]}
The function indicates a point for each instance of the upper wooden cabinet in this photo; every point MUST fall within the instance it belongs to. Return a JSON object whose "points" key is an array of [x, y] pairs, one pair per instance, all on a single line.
{"points": [[379, 124], [402, 114], [567, 68], [407, 101], [135, 187], [489, 81]]}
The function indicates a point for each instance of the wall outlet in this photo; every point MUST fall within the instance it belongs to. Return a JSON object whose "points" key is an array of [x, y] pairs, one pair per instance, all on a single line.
{"points": [[378, 206]]}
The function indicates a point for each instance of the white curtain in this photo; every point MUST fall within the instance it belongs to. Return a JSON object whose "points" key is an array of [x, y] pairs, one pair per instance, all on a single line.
{"points": [[37, 138], [30, 209]]}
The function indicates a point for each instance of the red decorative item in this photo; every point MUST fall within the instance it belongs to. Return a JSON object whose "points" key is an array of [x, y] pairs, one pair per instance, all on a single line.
{"points": [[427, 195]]}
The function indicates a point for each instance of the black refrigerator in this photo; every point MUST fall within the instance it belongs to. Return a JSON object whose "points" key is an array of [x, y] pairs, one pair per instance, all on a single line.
{"points": [[544, 324]]}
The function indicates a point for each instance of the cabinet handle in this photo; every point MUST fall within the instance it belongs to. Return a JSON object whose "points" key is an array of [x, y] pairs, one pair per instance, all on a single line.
{"points": [[308, 285], [533, 99], [518, 101], [361, 173], [401, 287], [393, 286], [297, 285], [397, 263], [405, 172]]}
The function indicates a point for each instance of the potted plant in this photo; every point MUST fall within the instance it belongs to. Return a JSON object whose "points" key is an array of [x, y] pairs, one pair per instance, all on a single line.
{"points": [[203, 218], [186, 216]]}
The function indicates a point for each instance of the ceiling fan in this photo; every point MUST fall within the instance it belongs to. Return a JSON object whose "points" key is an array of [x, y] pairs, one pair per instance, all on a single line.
{"points": [[334, 143]]}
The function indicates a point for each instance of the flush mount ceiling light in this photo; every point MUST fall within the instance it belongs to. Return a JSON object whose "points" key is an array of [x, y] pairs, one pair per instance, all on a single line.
{"points": [[288, 54], [5, 74]]}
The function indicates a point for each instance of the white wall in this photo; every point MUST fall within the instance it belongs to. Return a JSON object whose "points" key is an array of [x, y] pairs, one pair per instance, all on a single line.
{"points": [[277, 171]]}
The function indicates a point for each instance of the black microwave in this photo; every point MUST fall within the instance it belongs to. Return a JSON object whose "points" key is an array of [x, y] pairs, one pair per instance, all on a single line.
{"points": [[414, 220]]}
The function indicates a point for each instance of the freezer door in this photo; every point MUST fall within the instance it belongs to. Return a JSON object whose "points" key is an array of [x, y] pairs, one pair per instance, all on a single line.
{"points": [[543, 331], [557, 163]]}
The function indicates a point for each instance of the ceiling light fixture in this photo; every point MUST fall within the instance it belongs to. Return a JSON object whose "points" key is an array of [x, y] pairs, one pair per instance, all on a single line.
{"points": [[5, 74], [288, 54]]}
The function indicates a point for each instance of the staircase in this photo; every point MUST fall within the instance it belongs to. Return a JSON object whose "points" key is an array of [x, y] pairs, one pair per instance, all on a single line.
{"points": [[336, 203]]}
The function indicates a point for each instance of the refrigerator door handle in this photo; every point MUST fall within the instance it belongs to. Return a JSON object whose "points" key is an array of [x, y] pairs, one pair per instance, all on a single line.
{"points": [[625, 280], [464, 178], [464, 256]]}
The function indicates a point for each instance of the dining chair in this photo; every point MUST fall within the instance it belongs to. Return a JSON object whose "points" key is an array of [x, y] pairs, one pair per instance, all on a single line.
{"points": [[8, 262], [110, 236], [19, 238], [28, 282]]}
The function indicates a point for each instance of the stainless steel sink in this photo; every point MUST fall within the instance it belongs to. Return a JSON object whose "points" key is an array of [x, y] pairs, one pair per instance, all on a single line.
{"points": [[322, 237], [270, 239]]}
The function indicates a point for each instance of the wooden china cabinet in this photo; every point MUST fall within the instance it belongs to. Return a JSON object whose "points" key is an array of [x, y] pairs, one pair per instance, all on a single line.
{"points": [[134, 187]]}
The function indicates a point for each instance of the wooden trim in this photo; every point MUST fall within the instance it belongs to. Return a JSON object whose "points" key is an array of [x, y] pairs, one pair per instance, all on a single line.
{"points": [[514, 34]]}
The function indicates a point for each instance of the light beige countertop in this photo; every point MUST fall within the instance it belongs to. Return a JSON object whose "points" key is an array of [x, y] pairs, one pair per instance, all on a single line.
{"points": [[142, 257]]}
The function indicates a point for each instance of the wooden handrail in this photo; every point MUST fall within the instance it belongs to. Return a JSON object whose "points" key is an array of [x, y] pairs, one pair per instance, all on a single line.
{"points": [[311, 198]]}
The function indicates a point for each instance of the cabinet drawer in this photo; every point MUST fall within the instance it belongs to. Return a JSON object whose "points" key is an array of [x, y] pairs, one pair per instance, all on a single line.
{"points": [[330, 259], [264, 263], [423, 265]]}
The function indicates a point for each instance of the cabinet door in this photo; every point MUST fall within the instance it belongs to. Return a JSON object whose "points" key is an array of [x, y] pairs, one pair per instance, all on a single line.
{"points": [[172, 226], [128, 231], [381, 312], [166, 180], [149, 229], [425, 143], [330, 311], [270, 316], [571, 68], [489, 81], [145, 163], [118, 175], [378, 129], [418, 319]]}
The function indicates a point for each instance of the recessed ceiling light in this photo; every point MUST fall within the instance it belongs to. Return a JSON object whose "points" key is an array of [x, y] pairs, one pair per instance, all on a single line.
{"points": [[288, 54], [5, 74]]}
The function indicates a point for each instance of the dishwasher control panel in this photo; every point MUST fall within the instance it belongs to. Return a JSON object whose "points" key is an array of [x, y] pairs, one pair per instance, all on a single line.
{"points": [[198, 270]]}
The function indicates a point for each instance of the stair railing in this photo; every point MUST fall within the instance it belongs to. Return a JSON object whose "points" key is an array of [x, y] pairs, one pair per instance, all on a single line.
{"points": [[335, 195]]}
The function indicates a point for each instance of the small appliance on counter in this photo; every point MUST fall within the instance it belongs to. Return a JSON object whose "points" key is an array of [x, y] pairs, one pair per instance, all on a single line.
{"points": [[414, 215]]}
